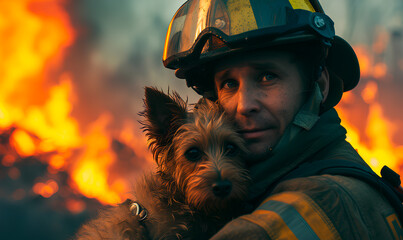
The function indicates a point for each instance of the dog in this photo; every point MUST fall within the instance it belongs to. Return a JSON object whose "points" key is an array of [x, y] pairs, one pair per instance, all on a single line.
{"points": [[200, 183]]}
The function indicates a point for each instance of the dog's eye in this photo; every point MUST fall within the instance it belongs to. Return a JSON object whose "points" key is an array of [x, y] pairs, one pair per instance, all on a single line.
{"points": [[193, 154], [231, 149]]}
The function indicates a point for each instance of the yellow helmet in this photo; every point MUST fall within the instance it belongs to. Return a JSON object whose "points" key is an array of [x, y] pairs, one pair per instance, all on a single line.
{"points": [[202, 31]]}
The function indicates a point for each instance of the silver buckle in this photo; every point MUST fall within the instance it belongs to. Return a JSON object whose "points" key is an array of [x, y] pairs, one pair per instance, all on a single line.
{"points": [[137, 210]]}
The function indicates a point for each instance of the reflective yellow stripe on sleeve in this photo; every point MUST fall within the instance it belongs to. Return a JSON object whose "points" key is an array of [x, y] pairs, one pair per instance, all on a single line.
{"points": [[293, 215]]}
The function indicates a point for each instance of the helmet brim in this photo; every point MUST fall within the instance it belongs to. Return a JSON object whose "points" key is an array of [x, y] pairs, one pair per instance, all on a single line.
{"points": [[344, 63], [344, 71]]}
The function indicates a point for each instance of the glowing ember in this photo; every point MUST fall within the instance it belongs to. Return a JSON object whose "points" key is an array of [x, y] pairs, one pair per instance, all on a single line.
{"points": [[8, 160], [47, 189], [57, 162], [75, 206], [14, 173]]}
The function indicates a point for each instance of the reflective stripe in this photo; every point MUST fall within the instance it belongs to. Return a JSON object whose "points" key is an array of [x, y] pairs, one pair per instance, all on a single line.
{"points": [[242, 17], [242, 13], [292, 218], [395, 226], [299, 215], [272, 223], [302, 4]]}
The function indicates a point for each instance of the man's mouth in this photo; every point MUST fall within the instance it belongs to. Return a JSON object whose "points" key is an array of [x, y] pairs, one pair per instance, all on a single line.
{"points": [[254, 133]]}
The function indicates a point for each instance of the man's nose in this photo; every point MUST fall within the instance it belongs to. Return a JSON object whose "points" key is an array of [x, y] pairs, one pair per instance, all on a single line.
{"points": [[247, 100]]}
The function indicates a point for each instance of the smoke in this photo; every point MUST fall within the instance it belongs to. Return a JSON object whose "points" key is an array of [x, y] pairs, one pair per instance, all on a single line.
{"points": [[358, 20], [117, 53], [119, 47]]}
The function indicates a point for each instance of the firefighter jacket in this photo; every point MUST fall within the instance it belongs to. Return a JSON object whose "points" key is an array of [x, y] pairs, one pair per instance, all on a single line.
{"points": [[314, 207]]}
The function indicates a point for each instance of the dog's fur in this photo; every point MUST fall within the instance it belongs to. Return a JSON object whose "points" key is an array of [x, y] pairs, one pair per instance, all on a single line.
{"points": [[201, 181]]}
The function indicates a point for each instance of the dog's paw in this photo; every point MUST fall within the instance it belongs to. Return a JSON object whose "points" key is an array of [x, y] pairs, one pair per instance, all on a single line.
{"points": [[116, 222]]}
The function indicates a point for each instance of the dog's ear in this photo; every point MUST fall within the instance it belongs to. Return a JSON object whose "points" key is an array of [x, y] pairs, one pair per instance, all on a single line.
{"points": [[164, 114]]}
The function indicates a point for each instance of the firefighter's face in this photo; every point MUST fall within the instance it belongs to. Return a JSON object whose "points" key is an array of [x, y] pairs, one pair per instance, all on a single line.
{"points": [[263, 92]]}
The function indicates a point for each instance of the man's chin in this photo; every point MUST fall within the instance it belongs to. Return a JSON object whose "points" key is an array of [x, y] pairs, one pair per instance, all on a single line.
{"points": [[260, 149], [257, 154]]}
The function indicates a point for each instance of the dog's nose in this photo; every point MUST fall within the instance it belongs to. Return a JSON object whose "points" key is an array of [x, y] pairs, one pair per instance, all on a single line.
{"points": [[222, 188]]}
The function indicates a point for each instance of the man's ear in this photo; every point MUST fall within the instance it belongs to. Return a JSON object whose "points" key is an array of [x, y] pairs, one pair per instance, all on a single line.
{"points": [[164, 114], [323, 82]]}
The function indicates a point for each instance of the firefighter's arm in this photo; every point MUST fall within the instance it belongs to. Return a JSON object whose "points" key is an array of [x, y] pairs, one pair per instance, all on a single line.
{"points": [[240, 228], [287, 215]]}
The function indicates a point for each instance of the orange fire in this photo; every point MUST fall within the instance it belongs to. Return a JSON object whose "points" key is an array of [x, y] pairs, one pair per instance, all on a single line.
{"points": [[35, 35], [374, 142], [368, 66]]}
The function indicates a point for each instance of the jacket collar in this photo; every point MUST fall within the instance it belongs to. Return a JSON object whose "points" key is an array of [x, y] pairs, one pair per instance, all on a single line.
{"points": [[296, 150]]}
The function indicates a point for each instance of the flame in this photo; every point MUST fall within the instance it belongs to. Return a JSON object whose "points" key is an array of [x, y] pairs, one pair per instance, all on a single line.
{"points": [[91, 172], [35, 36], [368, 66], [34, 40], [23, 143], [30, 39], [373, 142], [379, 150]]}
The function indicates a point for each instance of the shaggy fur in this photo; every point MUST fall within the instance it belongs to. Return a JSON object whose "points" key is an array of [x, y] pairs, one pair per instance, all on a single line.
{"points": [[200, 182]]}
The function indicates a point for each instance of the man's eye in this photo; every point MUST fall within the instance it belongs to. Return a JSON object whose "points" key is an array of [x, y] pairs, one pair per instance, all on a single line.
{"points": [[229, 84], [268, 77]]}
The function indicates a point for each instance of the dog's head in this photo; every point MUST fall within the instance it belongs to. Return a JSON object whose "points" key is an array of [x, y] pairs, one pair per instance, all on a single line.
{"points": [[200, 151]]}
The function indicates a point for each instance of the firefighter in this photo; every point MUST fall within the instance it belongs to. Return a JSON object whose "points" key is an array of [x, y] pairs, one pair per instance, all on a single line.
{"points": [[278, 68]]}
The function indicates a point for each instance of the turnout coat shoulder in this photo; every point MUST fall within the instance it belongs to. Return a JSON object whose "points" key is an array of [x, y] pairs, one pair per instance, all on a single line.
{"points": [[318, 207]]}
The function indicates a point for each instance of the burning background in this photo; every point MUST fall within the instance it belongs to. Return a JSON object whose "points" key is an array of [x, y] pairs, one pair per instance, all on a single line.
{"points": [[72, 75]]}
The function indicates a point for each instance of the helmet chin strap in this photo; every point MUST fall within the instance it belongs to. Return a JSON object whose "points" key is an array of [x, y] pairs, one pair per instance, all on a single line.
{"points": [[304, 120]]}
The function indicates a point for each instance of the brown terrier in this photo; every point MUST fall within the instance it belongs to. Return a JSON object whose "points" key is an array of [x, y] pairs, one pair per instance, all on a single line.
{"points": [[201, 181]]}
